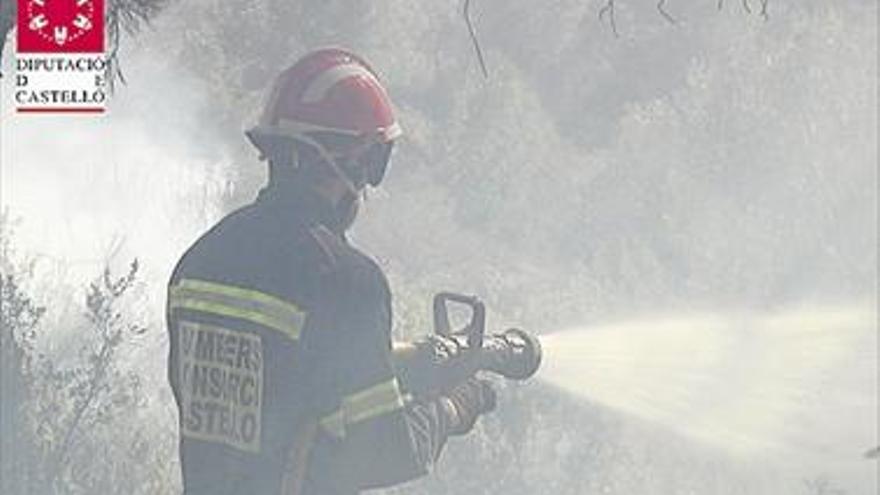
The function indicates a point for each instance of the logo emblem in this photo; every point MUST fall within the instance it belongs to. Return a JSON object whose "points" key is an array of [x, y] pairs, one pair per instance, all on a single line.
{"points": [[61, 26], [60, 61]]}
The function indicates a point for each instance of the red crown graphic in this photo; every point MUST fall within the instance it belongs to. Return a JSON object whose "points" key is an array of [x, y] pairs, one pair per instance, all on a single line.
{"points": [[60, 26]]}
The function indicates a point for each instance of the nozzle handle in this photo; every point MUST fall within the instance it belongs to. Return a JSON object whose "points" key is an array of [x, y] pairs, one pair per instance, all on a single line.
{"points": [[475, 330]]}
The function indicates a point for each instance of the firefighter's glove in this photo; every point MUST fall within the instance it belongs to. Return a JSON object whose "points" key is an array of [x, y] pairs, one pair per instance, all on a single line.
{"points": [[468, 401], [438, 365]]}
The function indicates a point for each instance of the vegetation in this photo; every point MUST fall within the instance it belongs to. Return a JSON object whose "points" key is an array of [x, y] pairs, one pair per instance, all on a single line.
{"points": [[71, 419]]}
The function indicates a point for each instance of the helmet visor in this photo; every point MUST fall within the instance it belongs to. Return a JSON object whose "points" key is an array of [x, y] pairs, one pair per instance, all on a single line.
{"points": [[363, 160], [375, 162]]}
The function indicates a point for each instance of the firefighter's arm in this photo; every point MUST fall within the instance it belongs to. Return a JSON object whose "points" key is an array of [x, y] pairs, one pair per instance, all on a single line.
{"points": [[363, 408], [434, 365], [459, 395], [386, 435], [399, 437]]}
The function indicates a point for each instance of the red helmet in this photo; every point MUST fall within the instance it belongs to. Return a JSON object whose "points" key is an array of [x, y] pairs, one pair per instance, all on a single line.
{"points": [[329, 90]]}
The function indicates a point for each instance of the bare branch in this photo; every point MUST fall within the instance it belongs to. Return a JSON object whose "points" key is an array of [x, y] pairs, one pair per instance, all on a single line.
{"points": [[608, 9], [661, 7], [473, 34], [109, 325], [8, 14], [747, 7], [128, 16]]}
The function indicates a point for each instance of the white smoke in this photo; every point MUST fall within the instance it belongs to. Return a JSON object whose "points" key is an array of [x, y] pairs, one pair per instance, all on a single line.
{"points": [[724, 162]]}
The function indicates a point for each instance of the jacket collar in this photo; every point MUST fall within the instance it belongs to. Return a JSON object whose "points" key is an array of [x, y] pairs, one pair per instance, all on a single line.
{"points": [[299, 205]]}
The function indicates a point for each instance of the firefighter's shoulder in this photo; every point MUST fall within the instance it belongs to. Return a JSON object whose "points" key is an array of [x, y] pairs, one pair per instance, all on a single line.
{"points": [[346, 267], [218, 248], [325, 250]]}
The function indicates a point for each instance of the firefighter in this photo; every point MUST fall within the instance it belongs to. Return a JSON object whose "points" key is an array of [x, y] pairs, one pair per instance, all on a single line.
{"points": [[281, 360]]}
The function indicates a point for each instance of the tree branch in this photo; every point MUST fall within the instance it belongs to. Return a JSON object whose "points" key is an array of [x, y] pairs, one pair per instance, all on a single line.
{"points": [[8, 15], [608, 9], [467, 19], [661, 7]]}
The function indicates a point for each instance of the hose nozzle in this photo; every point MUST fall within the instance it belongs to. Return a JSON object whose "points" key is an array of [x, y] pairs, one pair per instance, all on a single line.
{"points": [[513, 354]]}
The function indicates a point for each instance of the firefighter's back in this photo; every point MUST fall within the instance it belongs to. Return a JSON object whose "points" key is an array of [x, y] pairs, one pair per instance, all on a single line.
{"points": [[236, 308]]}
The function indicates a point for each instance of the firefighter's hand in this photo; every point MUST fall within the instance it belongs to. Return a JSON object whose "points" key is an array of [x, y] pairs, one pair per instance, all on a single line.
{"points": [[433, 366], [469, 400]]}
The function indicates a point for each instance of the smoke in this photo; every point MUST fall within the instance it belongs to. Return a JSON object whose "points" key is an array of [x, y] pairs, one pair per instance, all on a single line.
{"points": [[139, 181], [724, 167]]}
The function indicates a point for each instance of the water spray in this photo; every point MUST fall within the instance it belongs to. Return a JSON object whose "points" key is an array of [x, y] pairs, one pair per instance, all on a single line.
{"points": [[797, 387]]}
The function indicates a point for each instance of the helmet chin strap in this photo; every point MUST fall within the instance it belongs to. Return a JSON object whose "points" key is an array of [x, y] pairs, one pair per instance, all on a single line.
{"points": [[351, 189], [346, 206]]}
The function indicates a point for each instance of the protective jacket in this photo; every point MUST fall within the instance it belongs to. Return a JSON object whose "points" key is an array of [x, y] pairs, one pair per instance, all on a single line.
{"points": [[280, 360]]}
